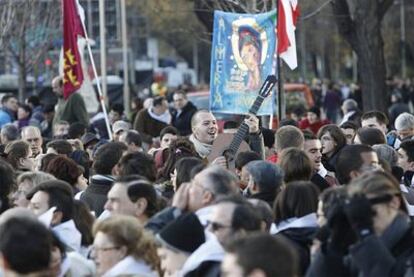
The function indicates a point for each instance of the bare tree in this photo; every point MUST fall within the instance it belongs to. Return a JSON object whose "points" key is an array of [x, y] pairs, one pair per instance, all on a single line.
{"points": [[204, 8], [359, 22], [7, 13], [29, 33]]}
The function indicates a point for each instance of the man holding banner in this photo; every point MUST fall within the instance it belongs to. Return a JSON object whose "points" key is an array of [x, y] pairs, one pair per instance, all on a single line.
{"points": [[71, 106]]}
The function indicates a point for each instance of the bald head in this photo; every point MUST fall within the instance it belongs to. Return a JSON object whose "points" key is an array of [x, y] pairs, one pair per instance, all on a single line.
{"points": [[199, 115], [57, 85], [204, 126]]}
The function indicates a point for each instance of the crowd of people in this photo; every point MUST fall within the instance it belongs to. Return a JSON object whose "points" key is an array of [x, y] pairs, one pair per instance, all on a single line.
{"points": [[309, 198]]}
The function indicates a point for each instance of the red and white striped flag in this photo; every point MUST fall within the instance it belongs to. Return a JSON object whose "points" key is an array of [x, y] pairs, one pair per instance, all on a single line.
{"points": [[287, 15]]}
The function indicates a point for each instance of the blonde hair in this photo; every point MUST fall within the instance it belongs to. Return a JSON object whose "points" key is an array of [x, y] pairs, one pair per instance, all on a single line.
{"points": [[126, 231]]}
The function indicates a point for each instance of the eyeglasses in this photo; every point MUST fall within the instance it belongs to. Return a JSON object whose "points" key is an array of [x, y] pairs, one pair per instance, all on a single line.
{"points": [[95, 249], [215, 226]]}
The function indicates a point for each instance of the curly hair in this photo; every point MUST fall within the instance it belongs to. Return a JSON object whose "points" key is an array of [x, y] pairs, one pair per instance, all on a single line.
{"points": [[126, 231], [64, 169], [181, 148]]}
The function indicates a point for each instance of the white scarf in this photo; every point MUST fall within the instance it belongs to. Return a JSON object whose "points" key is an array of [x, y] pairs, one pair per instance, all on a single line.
{"points": [[211, 250], [203, 149], [129, 266], [165, 117], [309, 220], [69, 235], [346, 117]]}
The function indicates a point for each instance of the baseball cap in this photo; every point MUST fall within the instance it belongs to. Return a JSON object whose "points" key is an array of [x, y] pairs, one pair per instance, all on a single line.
{"points": [[88, 138], [120, 125]]}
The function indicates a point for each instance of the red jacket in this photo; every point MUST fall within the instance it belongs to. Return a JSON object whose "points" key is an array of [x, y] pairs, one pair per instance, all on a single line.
{"points": [[314, 128]]}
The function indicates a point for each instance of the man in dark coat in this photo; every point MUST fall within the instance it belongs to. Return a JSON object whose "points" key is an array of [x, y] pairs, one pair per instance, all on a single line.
{"points": [[106, 157], [149, 122], [183, 112]]}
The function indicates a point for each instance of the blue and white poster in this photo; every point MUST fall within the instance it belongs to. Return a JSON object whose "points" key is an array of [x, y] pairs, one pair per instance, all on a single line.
{"points": [[242, 56]]}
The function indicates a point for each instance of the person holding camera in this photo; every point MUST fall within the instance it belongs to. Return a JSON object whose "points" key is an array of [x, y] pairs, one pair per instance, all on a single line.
{"points": [[368, 231]]}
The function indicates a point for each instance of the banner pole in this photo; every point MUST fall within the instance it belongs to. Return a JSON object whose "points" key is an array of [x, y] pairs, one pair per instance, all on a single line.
{"points": [[98, 84], [281, 105], [281, 93]]}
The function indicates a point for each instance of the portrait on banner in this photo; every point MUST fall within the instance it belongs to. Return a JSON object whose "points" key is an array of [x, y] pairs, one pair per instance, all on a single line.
{"points": [[243, 54]]}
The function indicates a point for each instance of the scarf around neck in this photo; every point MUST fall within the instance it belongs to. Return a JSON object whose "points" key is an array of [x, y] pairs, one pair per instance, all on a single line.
{"points": [[203, 149], [165, 117]]}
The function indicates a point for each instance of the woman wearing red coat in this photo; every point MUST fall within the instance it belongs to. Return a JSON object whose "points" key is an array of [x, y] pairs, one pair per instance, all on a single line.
{"points": [[313, 122]]}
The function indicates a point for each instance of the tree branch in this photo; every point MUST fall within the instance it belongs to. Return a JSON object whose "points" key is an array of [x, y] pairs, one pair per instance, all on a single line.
{"points": [[346, 25], [383, 7]]}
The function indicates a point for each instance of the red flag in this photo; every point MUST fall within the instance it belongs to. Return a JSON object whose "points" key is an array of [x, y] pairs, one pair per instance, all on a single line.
{"points": [[287, 15], [72, 66]]}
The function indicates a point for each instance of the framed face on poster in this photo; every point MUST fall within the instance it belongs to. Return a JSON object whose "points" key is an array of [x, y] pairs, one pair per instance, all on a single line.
{"points": [[243, 55]]}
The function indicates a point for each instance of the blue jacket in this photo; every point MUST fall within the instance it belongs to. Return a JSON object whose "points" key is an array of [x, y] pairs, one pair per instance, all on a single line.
{"points": [[5, 117]]}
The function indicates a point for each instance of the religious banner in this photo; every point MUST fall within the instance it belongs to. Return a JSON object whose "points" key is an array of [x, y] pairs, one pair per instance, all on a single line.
{"points": [[72, 64], [242, 56]]}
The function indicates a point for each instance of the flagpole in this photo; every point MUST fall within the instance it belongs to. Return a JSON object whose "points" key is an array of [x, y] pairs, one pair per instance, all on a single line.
{"points": [[98, 84], [281, 93], [125, 57], [281, 106]]}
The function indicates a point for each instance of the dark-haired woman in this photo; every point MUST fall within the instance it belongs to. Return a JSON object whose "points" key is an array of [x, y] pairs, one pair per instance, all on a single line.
{"points": [[333, 140], [295, 217]]}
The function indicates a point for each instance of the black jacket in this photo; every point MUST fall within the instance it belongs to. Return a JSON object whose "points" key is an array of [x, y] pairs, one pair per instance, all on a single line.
{"points": [[95, 195], [182, 121], [268, 197], [301, 240], [206, 269], [320, 182], [330, 163], [392, 254]]}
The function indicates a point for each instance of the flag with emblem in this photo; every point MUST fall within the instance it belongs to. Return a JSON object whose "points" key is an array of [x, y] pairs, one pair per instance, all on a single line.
{"points": [[72, 29]]}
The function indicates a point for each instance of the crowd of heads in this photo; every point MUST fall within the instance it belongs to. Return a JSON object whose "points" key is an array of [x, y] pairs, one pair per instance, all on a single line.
{"points": [[149, 198]]}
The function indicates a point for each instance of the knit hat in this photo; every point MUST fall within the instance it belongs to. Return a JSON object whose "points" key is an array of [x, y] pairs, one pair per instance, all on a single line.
{"points": [[88, 138], [184, 234]]}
